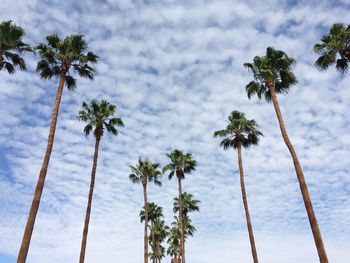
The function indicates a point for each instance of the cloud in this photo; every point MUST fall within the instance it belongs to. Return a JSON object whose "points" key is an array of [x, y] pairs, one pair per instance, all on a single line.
{"points": [[174, 68]]}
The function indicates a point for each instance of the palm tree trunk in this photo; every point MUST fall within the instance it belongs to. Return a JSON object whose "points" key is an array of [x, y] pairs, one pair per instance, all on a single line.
{"points": [[22, 255], [303, 187], [88, 209], [153, 242], [146, 224], [158, 251], [182, 234], [245, 203]]}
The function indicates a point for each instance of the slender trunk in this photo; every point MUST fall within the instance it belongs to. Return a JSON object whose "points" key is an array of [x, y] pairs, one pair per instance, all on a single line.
{"points": [[184, 216], [153, 242], [88, 209], [182, 234], [22, 255], [245, 203], [303, 187], [146, 224]]}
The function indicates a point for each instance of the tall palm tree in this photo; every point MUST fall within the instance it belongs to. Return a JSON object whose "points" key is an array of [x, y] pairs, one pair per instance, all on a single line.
{"points": [[180, 164], [12, 47], [272, 75], [189, 204], [174, 244], [99, 117], [154, 212], [334, 48], [174, 237], [145, 172], [58, 57], [241, 132], [161, 231]]}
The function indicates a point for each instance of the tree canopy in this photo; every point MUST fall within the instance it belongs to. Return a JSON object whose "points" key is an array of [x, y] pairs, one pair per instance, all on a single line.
{"points": [[273, 68], [100, 115], [334, 48], [12, 47], [59, 56], [239, 131]]}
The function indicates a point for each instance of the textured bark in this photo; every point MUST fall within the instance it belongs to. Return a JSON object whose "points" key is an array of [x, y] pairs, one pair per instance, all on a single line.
{"points": [[146, 224], [302, 183], [182, 232], [23, 252], [88, 209], [153, 242], [245, 203], [158, 251]]}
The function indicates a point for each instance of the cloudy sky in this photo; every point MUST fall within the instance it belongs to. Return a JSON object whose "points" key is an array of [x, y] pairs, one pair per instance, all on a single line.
{"points": [[174, 68]]}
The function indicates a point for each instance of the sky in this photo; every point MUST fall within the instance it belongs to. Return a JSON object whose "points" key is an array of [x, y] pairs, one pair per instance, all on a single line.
{"points": [[175, 71]]}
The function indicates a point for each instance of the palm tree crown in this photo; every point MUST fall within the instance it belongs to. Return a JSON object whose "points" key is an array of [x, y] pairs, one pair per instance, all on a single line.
{"points": [[239, 131], [161, 230], [99, 115], [12, 47], [180, 163], [334, 48], [154, 212], [275, 67], [173, 241], [58, 56], [145, 171], [189, 204], [189, 229]]}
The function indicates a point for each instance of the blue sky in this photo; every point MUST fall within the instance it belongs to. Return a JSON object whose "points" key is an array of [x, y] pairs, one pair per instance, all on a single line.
{"points": [[174, 68]]}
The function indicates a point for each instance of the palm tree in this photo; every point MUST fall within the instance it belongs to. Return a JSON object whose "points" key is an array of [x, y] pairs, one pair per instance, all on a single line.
{"points": [[154, 212], [241, 132], [161, 231], [99, 117], [12, 47], [174, 244], [145, 172], [334, 48], [180, 164], [189, 229], [273, 74], [174, 237], [57, 58], [189, 204]]}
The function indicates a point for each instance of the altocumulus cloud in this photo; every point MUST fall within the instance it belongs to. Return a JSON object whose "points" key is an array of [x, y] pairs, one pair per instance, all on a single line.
{"points": [[174, 68]]}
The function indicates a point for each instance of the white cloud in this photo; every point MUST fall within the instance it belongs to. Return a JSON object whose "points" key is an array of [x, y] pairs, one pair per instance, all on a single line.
{"points": [[174, 68]]}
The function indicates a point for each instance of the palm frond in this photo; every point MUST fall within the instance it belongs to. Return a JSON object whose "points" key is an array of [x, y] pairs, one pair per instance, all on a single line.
{"points": [[9, 67], [70, 82], [342, 65], [12, 47], [326, 60], [334, 48]]}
